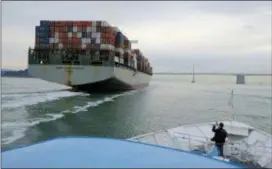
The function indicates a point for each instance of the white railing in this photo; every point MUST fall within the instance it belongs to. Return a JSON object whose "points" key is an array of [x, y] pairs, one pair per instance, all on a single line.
{"points": [[237, 150]]}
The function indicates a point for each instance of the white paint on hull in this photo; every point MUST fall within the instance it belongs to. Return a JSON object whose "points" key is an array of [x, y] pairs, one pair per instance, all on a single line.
{"points": [[79, 75], [129, 76]]}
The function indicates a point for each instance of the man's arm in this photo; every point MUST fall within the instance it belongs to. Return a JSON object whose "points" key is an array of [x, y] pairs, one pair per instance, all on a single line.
{"points": [[214, 129]]}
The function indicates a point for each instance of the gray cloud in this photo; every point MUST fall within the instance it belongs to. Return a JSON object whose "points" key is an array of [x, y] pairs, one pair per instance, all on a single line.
{"points": [[174, 35]]}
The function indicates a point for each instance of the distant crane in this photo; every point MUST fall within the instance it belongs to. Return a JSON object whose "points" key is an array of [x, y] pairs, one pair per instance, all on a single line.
{"points": [[193, 80]]}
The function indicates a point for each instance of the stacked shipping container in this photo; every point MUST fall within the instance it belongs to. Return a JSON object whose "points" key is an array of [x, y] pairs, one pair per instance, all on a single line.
{"points": [[89, 35]]}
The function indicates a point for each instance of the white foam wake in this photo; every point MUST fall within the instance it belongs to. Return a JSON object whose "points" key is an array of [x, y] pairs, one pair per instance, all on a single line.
{"points": [[19, 128], [19, 100]]}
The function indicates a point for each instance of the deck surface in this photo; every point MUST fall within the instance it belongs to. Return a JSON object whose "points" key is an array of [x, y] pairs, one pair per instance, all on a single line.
{"points": [[104, 153]]}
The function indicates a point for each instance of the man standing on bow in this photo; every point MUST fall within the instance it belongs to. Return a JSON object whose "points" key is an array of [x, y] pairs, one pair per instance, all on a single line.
{"points": [[219, 138]]}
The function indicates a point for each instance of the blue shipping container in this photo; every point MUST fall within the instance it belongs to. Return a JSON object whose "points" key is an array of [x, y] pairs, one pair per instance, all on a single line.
{"points": [[44, 28], [93, 41], [89, 34], [84, 34], [119, 38], [44, 45], [70, 28], [43, 34], [45, 23], [97, 47], [44, 41]]}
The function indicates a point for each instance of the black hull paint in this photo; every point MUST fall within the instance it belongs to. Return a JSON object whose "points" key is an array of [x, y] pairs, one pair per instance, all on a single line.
{"points": [[111, 85]]}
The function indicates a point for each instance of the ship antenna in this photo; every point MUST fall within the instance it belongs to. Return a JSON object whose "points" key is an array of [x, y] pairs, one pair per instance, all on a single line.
{"points": [[193, 80], [231, 105]]}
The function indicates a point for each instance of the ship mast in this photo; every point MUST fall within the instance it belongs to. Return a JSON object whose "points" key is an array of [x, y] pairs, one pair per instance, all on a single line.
{"points": [[231, 104]]}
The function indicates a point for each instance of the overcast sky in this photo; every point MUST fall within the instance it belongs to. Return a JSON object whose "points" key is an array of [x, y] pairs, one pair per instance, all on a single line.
{"points": [[215, 36]]}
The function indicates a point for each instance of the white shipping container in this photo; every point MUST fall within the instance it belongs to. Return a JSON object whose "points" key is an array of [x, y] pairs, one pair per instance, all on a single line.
{"points": [[56, 35], [89, 29], [70, 35], [98, 35], [93, 34], [51, 40], [79, 35], [88, 40], [74, 29], [112, 48], [83, 46], [121, 60], [134, 57], [97, 40], [83, 40], [107, 47], [135, 64], [94, 24], [117, 59], [93, 29], [56, 40], [120, 50], [104, 47], [60, 45], [129, 51]]}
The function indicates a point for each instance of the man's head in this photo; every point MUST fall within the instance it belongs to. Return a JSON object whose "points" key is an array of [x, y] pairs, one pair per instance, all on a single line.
{"points": [[221, 125]]}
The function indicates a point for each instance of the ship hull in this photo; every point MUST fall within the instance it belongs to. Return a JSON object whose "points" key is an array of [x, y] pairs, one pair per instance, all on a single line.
{"points": [[92, 79], [109, 85]]}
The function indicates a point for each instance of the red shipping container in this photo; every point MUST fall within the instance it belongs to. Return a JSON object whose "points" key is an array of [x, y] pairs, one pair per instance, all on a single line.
{"points": [[52, 29], [68, 44], [103, 41], [103, 36], [84, 29], [79, 29], [60, 23], [77, 23], [76, 41], [86, 23], [69, 23], [63, 36], [74, 35], [63, 29], [88, 46], [56, 29]]}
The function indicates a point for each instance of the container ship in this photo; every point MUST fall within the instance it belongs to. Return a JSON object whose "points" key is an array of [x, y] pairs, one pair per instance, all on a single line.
{"points": [[89, 56]]}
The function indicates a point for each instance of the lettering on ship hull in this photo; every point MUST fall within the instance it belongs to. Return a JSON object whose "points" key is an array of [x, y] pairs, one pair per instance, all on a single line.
{"points": [[68, 68]]}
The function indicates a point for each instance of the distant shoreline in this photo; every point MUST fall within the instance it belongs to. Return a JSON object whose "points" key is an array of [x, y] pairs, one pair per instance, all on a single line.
{"points": [[24, 74], [222, 74], [17, 76]]}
